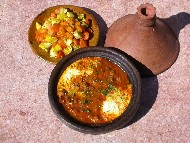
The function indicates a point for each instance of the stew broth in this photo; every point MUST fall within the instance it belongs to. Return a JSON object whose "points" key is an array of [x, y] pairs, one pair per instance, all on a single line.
{"points": [[94, 90]]}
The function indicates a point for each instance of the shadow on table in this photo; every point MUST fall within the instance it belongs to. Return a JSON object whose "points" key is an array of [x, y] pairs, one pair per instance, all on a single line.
{"points": [[148, 97], [177, 22], [150, 84], [102, 26]]}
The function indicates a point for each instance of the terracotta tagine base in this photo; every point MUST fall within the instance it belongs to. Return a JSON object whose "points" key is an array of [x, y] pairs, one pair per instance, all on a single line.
{"points": [[150, 43]]}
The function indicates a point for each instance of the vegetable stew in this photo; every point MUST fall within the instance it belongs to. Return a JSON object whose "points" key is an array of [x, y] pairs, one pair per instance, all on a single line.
{"points": [[63, 32], [94, 90]]}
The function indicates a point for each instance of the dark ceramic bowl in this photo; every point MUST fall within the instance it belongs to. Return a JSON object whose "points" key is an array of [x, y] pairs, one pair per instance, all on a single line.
{"points": [[112, 54]]}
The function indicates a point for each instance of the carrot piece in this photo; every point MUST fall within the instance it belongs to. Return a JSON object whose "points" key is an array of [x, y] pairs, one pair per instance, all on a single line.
{"points": [[43, 30], [68, 35], [57, 10], [71, 21], [61, 33], [86, 35], [53, 15], [69, 29], [77, 24], [40, 35], [83, 43], [61, 27], [60, 54], [61, 43], [39, 38], [76, 41], [64, 23], [55, 28], [54, 44], [79, 28]]}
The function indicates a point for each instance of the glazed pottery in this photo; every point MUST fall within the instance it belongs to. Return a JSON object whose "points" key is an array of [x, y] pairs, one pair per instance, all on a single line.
{"points": [[151, 44], [44, 15], [113, 55]]}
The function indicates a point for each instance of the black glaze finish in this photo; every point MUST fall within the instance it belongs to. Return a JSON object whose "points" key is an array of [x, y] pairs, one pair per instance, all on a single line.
{"points": [[114, 55]]}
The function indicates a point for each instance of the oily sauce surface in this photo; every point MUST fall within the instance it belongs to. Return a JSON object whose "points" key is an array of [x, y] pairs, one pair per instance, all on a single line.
{"points": [[94, 90]]}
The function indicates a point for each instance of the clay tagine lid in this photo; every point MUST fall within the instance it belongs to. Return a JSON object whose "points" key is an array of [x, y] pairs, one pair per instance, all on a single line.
{"points": [[150, 43]]}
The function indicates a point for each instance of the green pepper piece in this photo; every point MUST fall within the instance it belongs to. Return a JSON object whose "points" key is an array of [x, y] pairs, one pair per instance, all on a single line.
{"points": [[78, 35], [70, 14]]}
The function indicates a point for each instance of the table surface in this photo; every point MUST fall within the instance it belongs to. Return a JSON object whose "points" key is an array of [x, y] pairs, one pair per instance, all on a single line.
{"points": [[26, 116]]}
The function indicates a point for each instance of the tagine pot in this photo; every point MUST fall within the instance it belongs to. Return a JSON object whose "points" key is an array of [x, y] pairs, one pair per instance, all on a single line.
{"points": [[149, 42]]}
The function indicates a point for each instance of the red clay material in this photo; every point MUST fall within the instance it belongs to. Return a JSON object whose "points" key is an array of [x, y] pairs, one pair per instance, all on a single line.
{"points": [[146, 38]]}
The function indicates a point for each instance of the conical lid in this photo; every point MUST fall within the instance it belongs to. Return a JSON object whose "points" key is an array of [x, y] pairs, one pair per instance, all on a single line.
{"points": [[151, 43]]}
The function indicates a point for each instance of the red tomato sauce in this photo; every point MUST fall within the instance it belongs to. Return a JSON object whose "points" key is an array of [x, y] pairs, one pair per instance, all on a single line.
{"points": [[93, 89]]}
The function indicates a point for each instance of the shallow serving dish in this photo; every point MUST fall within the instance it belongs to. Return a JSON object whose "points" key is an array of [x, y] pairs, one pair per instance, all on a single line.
{"points": [[40, 18], [115, 56]]}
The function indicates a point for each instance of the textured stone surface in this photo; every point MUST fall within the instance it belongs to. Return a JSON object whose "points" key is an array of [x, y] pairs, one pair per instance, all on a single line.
{"points": [[25, 113]]}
